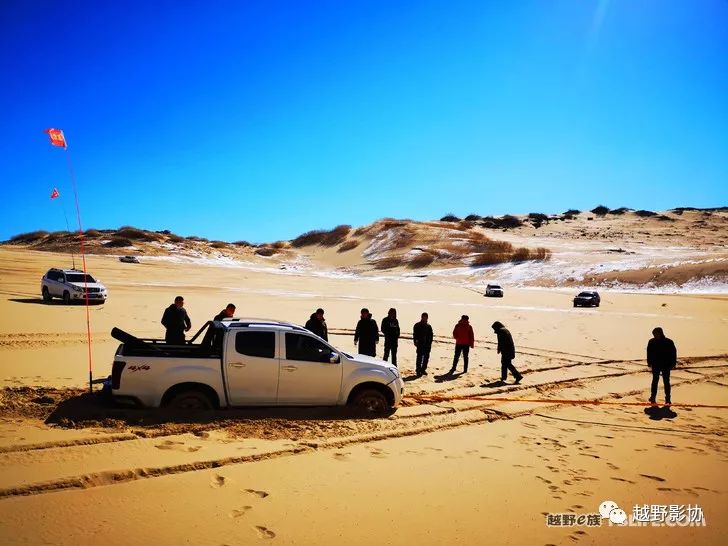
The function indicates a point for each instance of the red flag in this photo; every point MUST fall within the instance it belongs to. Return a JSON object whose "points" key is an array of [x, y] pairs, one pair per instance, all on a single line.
{"points": [[55, 193], [57, 138]]}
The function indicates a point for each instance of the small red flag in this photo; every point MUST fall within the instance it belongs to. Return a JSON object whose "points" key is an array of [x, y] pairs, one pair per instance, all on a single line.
{"points": [[57, 138], [55, 193]]}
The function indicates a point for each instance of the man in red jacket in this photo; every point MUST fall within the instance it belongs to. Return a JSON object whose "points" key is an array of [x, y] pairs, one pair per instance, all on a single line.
{"points": [[464, 341]]}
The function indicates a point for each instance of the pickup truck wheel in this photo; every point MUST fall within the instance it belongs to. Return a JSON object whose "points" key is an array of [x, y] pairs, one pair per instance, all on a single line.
{"points": [[371, 401], [191, 400], [66, 297], [46, 295]]}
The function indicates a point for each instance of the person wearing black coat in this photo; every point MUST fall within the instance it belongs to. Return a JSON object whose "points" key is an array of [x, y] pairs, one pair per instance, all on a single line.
{"points": [[317, 324], [422, 337], [507, 350], [176, 322], [390, 329], [226, 313], [367, 334], [661, 358]]}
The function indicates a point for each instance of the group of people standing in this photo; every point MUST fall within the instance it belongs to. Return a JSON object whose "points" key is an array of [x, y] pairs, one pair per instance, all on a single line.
{"points": [[661, 351], [367, 334]]}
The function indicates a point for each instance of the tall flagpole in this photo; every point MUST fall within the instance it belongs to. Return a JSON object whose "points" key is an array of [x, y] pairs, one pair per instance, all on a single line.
{"points": [[72, 173], [58, 139]]}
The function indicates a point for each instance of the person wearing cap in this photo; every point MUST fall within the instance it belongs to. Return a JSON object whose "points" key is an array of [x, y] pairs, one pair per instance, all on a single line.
{"points": [[367, 334], [507, 350], [390, 329], [464, 341], [228, 312], [317, 324]]}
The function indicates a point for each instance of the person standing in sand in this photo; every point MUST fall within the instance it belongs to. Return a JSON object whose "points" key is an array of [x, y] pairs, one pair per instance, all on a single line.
{"points": [[507, 350], [464, 341], [661, 358], [367, 334], [422, 337], [317, 324], [390, 329], [176, 322], [228, 312]]}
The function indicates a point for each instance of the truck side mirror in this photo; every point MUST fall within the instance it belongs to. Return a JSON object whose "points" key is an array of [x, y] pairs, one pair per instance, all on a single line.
{"points": [[335, 358]]}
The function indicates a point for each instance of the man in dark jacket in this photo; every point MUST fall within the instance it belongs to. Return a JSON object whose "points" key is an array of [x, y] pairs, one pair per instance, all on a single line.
{"points": [[317, 324], [422, 337], [507, 350], [228, 312], [367, 334], [661, 358], [390, 329], [176, 321], [464, 341]]}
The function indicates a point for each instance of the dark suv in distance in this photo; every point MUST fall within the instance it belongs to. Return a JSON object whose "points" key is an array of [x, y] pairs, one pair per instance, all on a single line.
{"points": [[587, 299]]}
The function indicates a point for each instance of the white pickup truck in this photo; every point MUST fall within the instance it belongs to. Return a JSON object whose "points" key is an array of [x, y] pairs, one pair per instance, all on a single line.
{"points": [[250, 362]]}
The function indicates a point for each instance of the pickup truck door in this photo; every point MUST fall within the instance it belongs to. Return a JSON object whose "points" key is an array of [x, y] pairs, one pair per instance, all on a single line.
{"points": [[307, 376], [251, 367]]}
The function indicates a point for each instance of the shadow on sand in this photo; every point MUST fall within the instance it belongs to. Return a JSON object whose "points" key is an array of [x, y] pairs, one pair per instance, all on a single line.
{"points": [[88, 410], [38, 301], [494, 384], [447, 377], [657, 413]]}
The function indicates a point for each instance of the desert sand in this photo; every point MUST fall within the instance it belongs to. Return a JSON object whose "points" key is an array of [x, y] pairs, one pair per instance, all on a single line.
{"points": [[465, 460]]}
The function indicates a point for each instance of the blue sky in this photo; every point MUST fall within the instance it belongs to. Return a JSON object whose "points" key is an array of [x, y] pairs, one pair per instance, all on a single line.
{"points": [[262, 120]]}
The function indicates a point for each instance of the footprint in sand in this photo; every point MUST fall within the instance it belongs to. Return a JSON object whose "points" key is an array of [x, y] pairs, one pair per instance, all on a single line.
{"points": [[341, 456], [264, 532], [217, 481], [240, 511], [177, 446], [613, 466], [617, 479], [656, 478], [259, 494]]}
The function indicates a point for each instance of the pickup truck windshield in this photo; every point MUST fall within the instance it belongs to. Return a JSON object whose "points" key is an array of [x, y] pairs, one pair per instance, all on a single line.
{"points": [[78, 277]]}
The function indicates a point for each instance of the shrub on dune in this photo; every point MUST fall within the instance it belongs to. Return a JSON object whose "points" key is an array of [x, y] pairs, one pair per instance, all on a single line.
{"points": [[349, 245], [389, 262], [450, 217], [423, 259], [645, 213], [118, 242], [30, 237], [601, 210]]}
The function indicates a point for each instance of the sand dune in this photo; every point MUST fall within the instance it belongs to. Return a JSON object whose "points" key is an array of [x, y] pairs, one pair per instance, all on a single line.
{"points": [[465, 457]]}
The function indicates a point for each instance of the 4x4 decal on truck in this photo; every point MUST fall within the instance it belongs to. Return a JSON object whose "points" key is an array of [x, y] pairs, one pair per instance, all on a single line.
{"points": [[140, 367]]}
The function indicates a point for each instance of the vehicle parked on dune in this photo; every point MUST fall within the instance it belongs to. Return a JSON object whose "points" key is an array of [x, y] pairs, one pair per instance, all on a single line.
{"points": [[587, 299], [493, 291], [250, 362], [70, 285], [129, 259]]}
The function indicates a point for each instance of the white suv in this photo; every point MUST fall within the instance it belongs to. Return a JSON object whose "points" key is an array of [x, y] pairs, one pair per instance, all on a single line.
{"points": [[68, 284]]}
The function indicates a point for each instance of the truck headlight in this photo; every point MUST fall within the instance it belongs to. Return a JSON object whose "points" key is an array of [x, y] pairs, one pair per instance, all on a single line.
{"points": [[77, 288]]}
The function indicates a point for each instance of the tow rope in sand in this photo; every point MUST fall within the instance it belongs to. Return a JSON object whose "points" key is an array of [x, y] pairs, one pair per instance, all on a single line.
{"points": [[428, 398]]}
